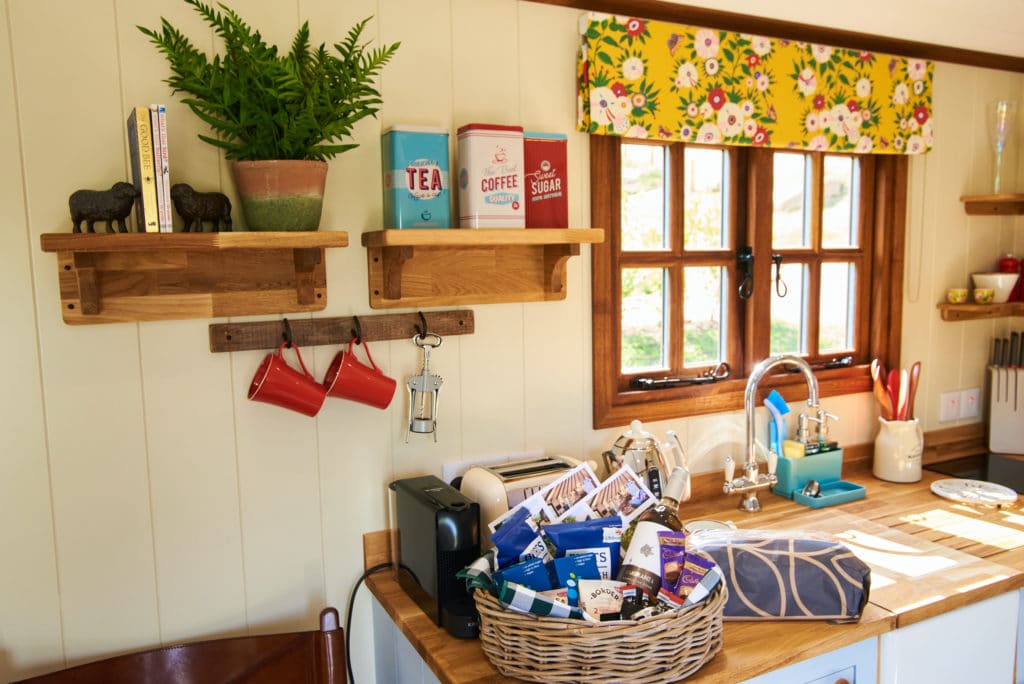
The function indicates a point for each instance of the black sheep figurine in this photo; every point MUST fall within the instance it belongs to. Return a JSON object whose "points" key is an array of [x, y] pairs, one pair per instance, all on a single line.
{"points": [[102, 205], [196, 207]]}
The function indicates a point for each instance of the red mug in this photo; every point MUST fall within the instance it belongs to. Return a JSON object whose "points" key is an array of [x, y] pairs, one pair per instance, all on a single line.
{"points": [[348, 378], [278, 383]]}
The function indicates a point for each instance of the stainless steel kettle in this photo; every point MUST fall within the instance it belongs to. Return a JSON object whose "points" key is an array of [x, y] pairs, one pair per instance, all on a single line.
{"points": [[645, 456]]}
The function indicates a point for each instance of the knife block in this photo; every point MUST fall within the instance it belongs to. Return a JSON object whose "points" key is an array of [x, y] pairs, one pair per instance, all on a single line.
{"points": [[1006, 410]]}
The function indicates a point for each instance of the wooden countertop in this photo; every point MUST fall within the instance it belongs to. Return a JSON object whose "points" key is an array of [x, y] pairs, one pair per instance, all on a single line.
{"points": [[927, 555]]}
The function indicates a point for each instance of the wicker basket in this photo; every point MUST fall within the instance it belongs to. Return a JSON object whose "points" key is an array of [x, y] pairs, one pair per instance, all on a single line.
{"points": [[664, 648]]}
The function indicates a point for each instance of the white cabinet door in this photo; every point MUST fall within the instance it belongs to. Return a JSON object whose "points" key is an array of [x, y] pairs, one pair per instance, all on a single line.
{"points": [[976, 643], [1019, 679], [854, 664]]}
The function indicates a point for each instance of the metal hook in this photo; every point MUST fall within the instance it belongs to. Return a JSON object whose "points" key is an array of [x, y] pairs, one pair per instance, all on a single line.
{"points": [[781, 289], [357, 333], [287, 334], [421, 333]]}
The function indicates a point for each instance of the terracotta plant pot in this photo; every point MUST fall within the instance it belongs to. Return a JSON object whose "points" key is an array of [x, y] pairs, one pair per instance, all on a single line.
{"points": [[282, 194]]}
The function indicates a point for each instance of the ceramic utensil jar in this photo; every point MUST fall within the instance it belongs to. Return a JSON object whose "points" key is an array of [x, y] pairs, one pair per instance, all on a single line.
{"points": [[898, 450]]}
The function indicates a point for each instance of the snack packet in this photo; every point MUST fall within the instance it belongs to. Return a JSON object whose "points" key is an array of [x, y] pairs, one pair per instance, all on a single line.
{"points": [[599, 536], [673, 553], [693, 571]]}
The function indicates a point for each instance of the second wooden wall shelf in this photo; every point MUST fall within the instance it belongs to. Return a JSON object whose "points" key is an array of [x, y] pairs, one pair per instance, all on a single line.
{"points": [[120, 277], [971, 312], [454, 266]]}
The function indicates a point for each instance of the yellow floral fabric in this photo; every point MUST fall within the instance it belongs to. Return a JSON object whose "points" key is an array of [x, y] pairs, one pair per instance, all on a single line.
{"points": [[648, 79]]}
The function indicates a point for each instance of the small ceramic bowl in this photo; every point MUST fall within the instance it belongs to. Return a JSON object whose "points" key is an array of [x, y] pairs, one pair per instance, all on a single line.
{"points": [[984, 295], [956, 295]]}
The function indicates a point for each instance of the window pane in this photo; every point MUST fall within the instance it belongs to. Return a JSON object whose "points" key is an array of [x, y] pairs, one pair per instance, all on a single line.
{"points": [[790, 200], [643, 319], [704, 209], [643, 197], [839, 222], [836, 322], [702, 310], [788, 319]]}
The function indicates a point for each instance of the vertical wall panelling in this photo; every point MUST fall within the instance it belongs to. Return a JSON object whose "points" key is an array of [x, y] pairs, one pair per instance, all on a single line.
{"points": [[280, 506], [29, 611], [485, 83], [193, 481], [553, 363], [91, 381], [353, 440]]}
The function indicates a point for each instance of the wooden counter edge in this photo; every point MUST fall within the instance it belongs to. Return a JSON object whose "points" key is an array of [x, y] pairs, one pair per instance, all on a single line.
{"points": [[463, 662]]}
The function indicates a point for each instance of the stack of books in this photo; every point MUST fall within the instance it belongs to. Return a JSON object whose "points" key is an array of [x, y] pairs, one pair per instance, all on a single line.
{"points": [[147, 147]]}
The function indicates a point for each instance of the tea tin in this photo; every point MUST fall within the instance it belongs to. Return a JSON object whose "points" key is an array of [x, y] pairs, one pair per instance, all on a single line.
{"points": [[417, 189], [490, 163], [547, 204]]}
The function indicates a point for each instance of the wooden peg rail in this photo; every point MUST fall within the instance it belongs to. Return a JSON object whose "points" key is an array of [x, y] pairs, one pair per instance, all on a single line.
{"points": [[306, 332]]}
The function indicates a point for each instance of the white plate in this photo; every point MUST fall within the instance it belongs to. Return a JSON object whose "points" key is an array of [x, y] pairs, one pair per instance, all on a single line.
{"points": [[974, 491]]}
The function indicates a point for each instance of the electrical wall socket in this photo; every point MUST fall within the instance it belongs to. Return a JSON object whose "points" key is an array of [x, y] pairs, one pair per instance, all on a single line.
{"points": [[969, 403], [949, 407]]}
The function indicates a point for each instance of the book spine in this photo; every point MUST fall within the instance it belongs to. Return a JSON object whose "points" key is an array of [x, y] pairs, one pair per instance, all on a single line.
{"points": [[154, 127], [164, 172], [140, 148]]}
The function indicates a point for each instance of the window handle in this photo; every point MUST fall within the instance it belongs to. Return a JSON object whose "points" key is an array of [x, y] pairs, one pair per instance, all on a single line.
{"points": [[745, 265], [781, 289], [719, 372]]}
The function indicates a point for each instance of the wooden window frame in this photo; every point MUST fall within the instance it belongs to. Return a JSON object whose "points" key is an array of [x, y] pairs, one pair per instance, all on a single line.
{"points": [[882, 230]]}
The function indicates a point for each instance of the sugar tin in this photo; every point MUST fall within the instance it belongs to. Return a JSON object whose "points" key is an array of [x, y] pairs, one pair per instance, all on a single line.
{"points": [[547, 204]]}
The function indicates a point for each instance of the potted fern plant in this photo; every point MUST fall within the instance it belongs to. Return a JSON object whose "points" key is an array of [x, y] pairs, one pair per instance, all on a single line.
{"points": [[277, 117]]}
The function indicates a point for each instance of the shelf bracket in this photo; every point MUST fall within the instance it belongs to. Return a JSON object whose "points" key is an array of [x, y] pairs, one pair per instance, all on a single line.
{"points": [[306, 260], [393, 260], [88, 290], [309, 332], [556, 258]]}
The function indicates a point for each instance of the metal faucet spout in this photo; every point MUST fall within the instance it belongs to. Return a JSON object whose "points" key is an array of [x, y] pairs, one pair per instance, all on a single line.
{"points": [[750, 395], [752, 481]]}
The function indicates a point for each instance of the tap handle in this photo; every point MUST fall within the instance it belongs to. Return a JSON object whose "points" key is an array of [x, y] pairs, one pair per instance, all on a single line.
{"points": [[730, 468]]}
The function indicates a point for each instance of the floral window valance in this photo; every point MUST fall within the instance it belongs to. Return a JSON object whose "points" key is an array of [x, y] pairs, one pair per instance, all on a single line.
{"points": [[648, 79]]}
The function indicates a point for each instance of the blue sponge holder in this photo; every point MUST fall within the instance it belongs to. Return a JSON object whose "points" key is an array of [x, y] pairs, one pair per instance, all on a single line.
{"points": [[827, 468]]}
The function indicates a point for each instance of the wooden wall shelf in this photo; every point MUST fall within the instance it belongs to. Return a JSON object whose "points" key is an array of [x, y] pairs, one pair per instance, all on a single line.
{"points": [[971, 312], [121, 277], [412, 268], [1004, 204]]}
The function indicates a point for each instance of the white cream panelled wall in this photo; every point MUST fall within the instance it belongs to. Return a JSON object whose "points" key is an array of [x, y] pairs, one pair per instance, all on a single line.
{"points": [[145, 501]]}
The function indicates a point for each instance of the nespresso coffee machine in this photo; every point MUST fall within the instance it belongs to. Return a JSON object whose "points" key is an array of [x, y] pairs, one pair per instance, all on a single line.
{"points": [[438, 535]]}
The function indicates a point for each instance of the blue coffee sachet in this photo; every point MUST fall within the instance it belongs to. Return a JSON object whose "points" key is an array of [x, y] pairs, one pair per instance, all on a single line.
{"points": [[576, 567], [599, 536], [531, 573], [518, 540]]}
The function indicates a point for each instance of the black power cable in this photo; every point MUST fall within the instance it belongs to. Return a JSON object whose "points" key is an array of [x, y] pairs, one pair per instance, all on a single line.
{"points": [[351, 603]]}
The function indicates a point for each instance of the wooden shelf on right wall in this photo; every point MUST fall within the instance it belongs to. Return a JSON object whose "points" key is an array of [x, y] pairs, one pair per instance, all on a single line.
{"points": [[1004, 204], [971, 312]]}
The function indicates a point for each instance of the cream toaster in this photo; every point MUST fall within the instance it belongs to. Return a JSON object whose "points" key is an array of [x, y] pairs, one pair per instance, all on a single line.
{"points": [[500, 487]]}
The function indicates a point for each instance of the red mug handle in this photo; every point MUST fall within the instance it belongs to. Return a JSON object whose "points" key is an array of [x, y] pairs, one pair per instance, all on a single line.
{"points": [[368, 355], [280, 352]]}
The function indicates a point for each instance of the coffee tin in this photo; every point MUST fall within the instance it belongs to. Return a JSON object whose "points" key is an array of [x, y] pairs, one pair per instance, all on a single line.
{"points": [[491, 193], [547, 204], [417, 189]]}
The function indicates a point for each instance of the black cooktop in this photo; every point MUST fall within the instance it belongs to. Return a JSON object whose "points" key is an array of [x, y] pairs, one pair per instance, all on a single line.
{"points": [[1005, 470]]}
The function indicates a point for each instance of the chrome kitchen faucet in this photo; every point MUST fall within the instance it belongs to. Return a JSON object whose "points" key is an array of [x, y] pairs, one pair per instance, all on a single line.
{"points": [[752, 481]]}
